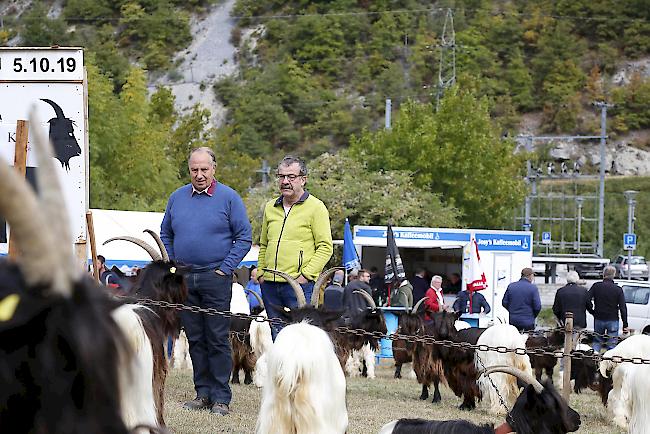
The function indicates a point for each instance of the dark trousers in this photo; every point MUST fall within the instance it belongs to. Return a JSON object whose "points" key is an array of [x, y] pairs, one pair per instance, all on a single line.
{"points": [[208, 334], [278, 295]]}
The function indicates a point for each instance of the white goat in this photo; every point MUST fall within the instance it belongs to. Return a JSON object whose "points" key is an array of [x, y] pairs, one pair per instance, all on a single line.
{"points": [[181, 358], [632, 402], [625, 380], [501, 335], [137, 396], [304, 392], [354, 364], [261, 341]]}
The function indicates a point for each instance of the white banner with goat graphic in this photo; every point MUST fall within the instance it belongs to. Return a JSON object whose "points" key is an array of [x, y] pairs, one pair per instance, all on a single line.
{"points": [[51, 81]]}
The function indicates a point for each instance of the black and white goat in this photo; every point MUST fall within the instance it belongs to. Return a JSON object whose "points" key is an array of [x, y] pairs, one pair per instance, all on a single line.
{"points": [[304, 390], [147, 330], [539, 409], [364, 347], [61, 352]]}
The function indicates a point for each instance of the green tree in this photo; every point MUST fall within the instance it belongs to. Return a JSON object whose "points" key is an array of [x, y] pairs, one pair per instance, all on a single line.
{"points": [[41, 31], [454, 152], [351, 190]]}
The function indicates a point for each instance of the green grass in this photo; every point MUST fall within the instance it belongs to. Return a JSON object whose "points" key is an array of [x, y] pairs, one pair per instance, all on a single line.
{"points": [[371, 404]]}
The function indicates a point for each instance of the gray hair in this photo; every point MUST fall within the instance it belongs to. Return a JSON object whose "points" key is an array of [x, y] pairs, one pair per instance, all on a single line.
{"points": [[205, 149], [572, 277], [436, 278], [609, 272], [290, 159]]}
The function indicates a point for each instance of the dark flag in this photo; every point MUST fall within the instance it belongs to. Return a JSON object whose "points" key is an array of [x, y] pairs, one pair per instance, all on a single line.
{"points": [[394, 271]]}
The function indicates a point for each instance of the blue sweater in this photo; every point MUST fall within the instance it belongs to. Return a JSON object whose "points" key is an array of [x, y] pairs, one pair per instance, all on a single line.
{"points": [[204, 230], [522, 302]]}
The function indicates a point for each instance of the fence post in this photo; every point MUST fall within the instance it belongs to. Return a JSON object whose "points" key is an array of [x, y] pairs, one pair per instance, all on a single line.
{"points": [[568, 347]]}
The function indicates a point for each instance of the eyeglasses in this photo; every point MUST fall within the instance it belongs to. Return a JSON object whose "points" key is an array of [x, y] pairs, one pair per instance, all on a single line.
{"points": [[289, 178]]}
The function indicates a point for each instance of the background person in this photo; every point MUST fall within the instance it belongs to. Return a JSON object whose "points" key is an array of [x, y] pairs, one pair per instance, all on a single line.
{"points": [[206, 227], [253, 285], [435, 301], [608, 300], [572, 298], [296, 239], [479, 303], [333, 296], [355, 303], [522, 302]]}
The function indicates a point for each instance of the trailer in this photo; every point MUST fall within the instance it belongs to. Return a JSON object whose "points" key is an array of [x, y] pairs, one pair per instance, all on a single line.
{"points": [[503, 254]]}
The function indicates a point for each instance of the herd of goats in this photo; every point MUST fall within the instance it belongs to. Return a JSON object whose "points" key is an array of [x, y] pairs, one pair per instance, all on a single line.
{"points": [[73, 359]]}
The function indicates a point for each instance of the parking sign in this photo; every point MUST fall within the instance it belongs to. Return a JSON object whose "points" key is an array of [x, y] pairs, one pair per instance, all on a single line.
{"points": [[629, 241], [546, 238]]}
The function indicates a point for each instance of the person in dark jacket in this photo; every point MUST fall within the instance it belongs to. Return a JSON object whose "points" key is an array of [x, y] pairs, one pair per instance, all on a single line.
{"points": [[522, 302], [608, 300], [355, 303], [420, 284], [479, 303], [333, 295], [572, 298]]}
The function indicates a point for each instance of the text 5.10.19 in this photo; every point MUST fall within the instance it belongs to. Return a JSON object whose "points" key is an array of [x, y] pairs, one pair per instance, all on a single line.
{"points": [[43, 64]]}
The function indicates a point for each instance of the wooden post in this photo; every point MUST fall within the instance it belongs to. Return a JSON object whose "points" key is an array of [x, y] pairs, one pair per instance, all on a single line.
{"points": [[568, 347], [20, 164], [93, 246]]}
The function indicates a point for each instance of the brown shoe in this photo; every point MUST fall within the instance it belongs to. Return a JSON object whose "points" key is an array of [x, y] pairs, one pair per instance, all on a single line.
{"points": [[220, 409], [198, 403]]}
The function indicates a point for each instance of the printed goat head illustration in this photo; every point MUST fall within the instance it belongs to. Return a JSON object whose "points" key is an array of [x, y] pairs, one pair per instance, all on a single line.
{"points": [[62, 136]]}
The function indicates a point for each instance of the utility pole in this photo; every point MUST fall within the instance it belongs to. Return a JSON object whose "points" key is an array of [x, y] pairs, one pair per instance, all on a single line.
{"points": [[601, 195], [579, 201], [387, 124], [447, 64], [631, 202], [265, 171]]}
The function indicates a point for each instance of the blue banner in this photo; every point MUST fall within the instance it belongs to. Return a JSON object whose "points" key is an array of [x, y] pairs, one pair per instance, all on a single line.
{"points": [[503, 242], [405, 234], [350, 257]]}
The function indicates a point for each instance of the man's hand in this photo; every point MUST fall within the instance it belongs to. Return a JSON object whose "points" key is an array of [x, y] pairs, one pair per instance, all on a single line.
{"points": [[626, 330], [220, 273], [260, 280], [301, 279]]}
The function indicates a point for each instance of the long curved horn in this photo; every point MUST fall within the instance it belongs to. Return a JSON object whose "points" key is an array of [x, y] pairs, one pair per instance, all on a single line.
{"points": [[257, 296], [320, 281], [367, 296], [523, 376], [300, 294], [417, 305], [19, 206], [155, 256], [55, 106], [52, 201], [161, 245]]}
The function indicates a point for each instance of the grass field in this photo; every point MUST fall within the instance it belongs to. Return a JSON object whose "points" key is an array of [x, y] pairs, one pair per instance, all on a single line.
{"points": [[371, 404]]}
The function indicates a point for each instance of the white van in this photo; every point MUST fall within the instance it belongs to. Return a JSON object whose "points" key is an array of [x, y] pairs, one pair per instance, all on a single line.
{"points": [[637, 300]]}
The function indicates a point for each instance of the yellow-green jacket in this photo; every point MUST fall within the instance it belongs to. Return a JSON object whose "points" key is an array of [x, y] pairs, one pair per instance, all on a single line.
{"points": [[298, 243]]}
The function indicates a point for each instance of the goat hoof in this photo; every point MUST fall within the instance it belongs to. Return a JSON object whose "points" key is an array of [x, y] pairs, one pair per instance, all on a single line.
{"points": [[424, 397], [436, 399], [398, 375], [248, 380]]}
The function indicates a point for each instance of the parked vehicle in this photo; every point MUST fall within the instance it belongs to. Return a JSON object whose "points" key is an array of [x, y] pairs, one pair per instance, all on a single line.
{"points": [[638, 267], [587, 269], [637, 300]]}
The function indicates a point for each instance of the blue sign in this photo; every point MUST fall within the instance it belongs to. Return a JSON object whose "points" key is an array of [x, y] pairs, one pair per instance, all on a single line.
{"points": [[503, 242], [629, 241], [415, 235], [546, 238]]}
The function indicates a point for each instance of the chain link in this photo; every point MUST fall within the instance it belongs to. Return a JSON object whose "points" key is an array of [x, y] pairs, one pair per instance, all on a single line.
{"points": [[426, 340]]}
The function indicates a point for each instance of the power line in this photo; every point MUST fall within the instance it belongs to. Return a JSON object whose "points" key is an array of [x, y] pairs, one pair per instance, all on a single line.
{"points": [[79, 18]]}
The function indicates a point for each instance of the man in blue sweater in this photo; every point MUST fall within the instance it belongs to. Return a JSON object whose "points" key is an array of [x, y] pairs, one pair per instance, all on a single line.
{"points": [[522, 301], [206, 227]]}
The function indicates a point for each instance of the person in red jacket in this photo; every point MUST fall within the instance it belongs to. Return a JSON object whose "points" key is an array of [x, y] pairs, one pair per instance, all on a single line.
{"points": [[435, 301]]}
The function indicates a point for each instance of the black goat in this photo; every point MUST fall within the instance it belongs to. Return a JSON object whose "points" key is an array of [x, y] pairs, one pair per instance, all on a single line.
{"points": [[458, 363], [538, 410], [62, 136], [584, 371], [161, 280], [60, 350], [427, 362], [543, 363]]}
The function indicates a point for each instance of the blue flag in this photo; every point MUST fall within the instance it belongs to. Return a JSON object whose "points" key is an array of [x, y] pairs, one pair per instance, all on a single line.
{"points": [[350, 257]]}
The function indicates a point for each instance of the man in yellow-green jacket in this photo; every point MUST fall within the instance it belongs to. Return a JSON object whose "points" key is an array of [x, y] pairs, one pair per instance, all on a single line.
{"points": [[296, 238]]}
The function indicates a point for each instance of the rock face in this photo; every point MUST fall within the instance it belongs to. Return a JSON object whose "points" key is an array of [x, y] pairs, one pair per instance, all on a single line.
{"points": [[209, 58]]}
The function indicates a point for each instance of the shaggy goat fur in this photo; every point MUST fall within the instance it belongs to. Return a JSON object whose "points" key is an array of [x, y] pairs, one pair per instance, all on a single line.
{"points": [[501, 335], [304, 392], [619, 398]]}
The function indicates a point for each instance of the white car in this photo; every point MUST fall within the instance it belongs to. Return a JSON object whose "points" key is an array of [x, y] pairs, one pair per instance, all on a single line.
{"points": [[637, 300]]}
